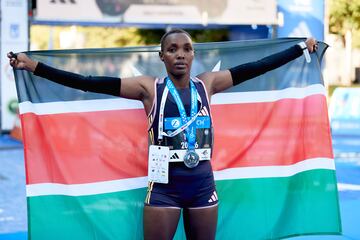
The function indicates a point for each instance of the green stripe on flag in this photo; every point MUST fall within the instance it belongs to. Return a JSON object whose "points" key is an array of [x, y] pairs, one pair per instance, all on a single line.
{"points": [[101, 216], [259, 208], [243, 212]]}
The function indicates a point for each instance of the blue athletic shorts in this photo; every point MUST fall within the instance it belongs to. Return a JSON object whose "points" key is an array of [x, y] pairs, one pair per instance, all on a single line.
{"points": [[187, 187]]}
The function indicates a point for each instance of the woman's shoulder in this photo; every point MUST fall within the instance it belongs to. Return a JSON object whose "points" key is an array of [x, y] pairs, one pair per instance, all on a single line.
{"points": [[205, 76]]}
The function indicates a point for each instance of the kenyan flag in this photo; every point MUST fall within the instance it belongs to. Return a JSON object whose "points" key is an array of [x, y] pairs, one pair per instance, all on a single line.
{"points": [[86, 153]]}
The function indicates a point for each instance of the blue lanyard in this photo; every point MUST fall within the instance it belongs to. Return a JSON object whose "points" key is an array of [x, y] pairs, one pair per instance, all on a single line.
{"points": [[191, 130]]}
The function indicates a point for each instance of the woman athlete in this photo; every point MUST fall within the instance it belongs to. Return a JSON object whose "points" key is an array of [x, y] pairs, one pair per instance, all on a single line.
{"points": [[173, 103]]}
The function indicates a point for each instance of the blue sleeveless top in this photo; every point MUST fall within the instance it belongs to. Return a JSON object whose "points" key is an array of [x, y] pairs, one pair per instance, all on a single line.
{"points": [[204, 129]]}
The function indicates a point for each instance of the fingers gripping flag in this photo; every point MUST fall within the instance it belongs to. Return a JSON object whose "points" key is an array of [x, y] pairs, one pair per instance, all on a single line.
{"points": [[86, 153]]}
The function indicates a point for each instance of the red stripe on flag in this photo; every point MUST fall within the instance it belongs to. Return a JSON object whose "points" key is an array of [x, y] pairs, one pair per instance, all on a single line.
{"points": [[85, 147], [266, 134], [88, 147]]}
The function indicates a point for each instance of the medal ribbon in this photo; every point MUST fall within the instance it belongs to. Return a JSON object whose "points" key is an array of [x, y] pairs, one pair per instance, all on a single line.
{"points": [[188, 125]]}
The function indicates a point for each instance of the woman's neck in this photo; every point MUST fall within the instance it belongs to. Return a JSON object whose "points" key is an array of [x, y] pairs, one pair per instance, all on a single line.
{"points": [[180, 81]]}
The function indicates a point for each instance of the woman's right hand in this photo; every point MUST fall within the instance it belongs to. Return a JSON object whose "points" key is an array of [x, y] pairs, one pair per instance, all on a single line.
{"points": [[22, 61]]}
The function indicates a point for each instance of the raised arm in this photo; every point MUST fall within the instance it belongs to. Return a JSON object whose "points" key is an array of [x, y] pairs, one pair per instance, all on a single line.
{"points": [[219, 81], [139, 88]]}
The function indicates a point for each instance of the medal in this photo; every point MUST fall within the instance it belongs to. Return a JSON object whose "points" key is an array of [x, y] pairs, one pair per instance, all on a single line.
{"points": [[191, 159]]}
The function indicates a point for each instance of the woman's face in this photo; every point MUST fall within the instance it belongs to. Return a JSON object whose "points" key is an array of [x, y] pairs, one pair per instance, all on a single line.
{"points": [[177, 54]]}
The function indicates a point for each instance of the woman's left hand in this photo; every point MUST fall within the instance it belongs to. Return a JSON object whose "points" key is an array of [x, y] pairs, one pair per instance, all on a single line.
{"points": [[311, 44]]}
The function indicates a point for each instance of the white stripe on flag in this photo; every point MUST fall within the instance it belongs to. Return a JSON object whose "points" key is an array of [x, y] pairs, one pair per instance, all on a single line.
{"points": [[267, 96], [123, 104], [275, 171], [41, 189], [79, 106]]}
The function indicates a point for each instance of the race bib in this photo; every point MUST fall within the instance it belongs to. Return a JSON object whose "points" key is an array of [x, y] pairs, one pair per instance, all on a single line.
{"points": [[158, 168]]}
